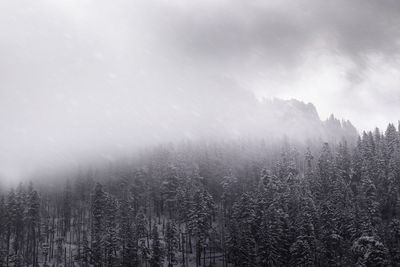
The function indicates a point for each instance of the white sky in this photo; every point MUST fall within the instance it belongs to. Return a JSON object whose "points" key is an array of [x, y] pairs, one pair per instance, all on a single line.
{"points": [[78, 73]]}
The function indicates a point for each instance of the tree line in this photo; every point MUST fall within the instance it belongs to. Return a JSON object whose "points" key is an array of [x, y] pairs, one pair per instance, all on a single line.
{"points": [[242, 204]]}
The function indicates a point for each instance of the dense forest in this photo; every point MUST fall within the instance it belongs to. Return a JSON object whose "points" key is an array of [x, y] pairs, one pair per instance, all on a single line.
{"points": [[236, 203]]}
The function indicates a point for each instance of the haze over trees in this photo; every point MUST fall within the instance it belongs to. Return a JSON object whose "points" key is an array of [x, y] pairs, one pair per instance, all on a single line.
{"points": [[233, 203], [210, 115], [174, 133]]}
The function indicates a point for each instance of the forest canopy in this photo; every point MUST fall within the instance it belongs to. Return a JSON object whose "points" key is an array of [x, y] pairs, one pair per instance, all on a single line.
{"points": [[243, 203]]}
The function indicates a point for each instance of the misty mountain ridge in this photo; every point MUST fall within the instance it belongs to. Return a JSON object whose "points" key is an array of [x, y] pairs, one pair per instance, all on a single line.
{"points": [[247, 117], [247, 130], [228, 117]]}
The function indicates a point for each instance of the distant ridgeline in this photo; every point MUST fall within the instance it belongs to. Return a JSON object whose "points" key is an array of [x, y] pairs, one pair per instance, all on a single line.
{"points": [[300, 121], [243, 116], [329, 198]]}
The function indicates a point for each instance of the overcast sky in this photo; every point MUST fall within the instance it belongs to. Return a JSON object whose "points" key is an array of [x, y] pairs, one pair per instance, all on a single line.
{"points": [[71, 68]]}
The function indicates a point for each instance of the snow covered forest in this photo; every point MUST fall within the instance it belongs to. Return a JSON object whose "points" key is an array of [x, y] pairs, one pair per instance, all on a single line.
{"points": [[236, 203], [198, 133]]}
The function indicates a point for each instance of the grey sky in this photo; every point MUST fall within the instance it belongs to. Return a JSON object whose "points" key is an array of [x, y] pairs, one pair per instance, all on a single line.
{"points": [[78, 73]]}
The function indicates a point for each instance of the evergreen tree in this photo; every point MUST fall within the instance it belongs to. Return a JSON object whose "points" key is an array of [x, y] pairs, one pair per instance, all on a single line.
{"points": [[369, 251], [33, 223], [169, 190], [141, 223], [127, 237], [3, 231], [326, 171], [391, 138], [67, 208], [272, 245], [156, 249], [86, 251], [200, 219], [111, 229], [394, 241], [343, 162], [171, 242], [98, 204], [304, 250], [241, 242]]}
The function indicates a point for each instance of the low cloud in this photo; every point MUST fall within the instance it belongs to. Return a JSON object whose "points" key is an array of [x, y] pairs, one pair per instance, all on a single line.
{"points": [[78, 75]]}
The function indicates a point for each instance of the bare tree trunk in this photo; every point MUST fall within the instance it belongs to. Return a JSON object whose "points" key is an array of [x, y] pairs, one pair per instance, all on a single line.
{"points": [[204, 256], [8, 247], [183, 250]]}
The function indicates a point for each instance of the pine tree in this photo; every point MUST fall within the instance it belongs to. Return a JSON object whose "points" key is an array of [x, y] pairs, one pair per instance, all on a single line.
{"points": [[141, 225], [144, 253], [171, 242], [127, 236], [130, 253], [330, 234], [169, 189], [392, 184], [357, 162], [230, 191], [200, 219], [241, 241], [33, 222], [343, 162], [303, 250], [15, 225], [369, 205], [391, 138], [183, 202], [394, 241], [156, 249], [86, 250], [3, 231], [326, 172], [98, 204], [272, 246], [369, 251], [111, 230], [67, 208], [287, 163]]}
